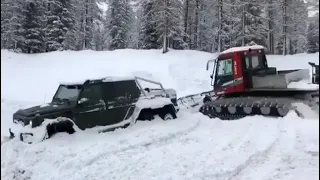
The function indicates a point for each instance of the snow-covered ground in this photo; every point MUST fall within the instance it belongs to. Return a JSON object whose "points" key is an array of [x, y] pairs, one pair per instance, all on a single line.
{"points": [[191, 147]]}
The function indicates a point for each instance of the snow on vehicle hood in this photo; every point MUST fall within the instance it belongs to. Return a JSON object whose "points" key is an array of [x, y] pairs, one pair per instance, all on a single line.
{"points": [[42, 109]]}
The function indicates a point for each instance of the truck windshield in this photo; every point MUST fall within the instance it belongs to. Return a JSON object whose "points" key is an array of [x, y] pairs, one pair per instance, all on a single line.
{"points": [[224, 67], [67, 92]]}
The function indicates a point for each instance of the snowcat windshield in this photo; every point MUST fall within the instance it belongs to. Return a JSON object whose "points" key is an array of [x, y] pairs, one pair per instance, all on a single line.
{"points": [[224, 67]]}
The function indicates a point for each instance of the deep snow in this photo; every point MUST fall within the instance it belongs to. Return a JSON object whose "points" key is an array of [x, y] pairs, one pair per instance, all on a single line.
{"points": [[191, 147]]}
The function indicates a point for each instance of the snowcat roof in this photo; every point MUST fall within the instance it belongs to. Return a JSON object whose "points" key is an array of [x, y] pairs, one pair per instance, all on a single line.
{"points": [[240, 49]]}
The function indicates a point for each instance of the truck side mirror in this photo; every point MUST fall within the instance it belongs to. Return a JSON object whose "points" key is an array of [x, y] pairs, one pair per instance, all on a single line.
{"points": [[211, 76], [83, 101]]}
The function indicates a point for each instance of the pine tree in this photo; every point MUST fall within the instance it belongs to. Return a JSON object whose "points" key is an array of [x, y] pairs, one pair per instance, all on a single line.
{"points": [[148, 37], [12, 16], [32, 29], [255, 30], [119, 14], [313, 35], [168, 19], [60, 32], [194, 24]]}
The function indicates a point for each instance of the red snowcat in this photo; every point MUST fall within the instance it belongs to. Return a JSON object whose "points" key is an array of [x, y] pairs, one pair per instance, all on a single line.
{"points": [[244, 85]]}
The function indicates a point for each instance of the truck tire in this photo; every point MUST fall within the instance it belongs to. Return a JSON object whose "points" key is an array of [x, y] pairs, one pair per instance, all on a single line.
{"points": [[167, 113], [145, 114], [167, 116], [62, 126]]}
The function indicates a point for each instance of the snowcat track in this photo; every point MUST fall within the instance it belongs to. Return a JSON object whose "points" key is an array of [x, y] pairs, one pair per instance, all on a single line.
{"points": [[233, 108]]}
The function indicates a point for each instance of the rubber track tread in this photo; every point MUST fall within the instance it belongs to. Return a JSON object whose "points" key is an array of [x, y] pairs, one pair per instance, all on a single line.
{"points": [[224, 108]]}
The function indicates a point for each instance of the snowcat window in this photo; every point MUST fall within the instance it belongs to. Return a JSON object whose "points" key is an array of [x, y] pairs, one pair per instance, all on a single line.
{"points": [[224, 67], [255, 62], [68, 92]]}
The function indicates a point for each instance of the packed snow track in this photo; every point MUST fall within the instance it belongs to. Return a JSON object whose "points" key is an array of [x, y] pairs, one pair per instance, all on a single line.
{"points": [[192, 147]]}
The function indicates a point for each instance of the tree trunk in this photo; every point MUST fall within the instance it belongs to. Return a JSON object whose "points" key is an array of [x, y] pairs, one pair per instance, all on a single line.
{"points": [[165, 33], [243, 25], [284, 28], [270, 28], [220, 26], [196, 27], [186, 13]]}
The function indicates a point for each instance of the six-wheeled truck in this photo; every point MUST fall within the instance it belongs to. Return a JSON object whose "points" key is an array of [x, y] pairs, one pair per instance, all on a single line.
{"points": [[104, 104]]}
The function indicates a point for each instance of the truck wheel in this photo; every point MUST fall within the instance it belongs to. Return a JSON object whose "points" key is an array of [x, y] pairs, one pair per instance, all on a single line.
{"points": [[145, 114], [62, 126], [167, 116], [167, 113]]}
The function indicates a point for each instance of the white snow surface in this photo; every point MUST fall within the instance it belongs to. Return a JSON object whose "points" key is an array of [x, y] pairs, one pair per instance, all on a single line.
{"points": [[190, 147]]}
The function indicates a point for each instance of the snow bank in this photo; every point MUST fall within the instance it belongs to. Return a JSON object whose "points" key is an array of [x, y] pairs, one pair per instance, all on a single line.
{"points": [[37, 76], [34, 78]]}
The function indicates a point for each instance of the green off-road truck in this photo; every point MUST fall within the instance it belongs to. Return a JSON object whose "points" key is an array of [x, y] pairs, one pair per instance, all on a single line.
{"points": [[103, 104]]}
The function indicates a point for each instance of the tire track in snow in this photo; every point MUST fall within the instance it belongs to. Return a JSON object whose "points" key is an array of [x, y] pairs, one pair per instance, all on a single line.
{"points": [[140, 147], [238, 140], [156, 142], [104, 155], [293, 159], [253, 160]]}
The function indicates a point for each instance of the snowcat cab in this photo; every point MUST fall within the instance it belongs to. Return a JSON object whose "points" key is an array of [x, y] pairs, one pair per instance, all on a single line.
{"points": [[245, 70], [235, 67]]}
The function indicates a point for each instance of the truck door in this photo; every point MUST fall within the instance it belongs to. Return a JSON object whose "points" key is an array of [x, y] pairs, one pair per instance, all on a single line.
{"points": [[90, 109], [120, 97]]}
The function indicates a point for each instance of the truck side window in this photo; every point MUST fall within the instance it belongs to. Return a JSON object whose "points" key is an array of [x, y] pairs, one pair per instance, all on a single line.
{"points": [[127, 91], [92, 93]]}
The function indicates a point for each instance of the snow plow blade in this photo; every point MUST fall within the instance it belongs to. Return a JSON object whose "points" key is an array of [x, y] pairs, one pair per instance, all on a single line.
{"points": [[195, 101]]}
